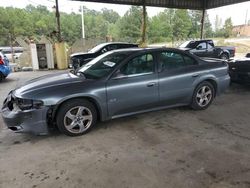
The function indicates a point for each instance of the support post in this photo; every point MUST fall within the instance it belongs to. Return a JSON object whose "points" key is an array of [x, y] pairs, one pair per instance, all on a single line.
{"points": [[202, 23], [59, 38], [144, 24]]}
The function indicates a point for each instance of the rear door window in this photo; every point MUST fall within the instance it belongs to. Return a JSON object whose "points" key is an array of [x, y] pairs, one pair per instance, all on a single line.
{"points": [[173, 60]]}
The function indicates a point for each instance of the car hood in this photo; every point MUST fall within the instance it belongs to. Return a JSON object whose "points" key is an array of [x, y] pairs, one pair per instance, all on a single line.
{"points": [[47, 81], [81, 54]]}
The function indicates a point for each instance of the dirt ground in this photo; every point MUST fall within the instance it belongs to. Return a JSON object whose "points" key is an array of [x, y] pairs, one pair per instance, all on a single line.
{"points": [[175, 148]]}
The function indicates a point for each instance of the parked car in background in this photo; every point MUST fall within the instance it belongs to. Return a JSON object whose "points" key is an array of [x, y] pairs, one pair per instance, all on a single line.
{"points": [[116, 84], [239, 70], [4, 66], [79, 59], [9, 52], [206, 48]]}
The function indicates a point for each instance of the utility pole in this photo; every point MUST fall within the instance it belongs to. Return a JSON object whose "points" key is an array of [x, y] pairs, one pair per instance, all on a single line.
{"points": [[59, 37], [83, 30]]}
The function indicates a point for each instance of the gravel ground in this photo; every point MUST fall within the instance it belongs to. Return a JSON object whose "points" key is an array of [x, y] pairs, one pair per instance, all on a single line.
{"points": [[175, 148]]}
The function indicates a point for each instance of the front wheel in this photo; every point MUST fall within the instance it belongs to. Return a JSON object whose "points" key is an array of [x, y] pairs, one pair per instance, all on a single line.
{"points": [[76, 117], [203, 96]]}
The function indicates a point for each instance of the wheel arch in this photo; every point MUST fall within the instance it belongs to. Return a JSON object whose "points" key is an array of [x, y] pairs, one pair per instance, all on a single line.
{"points": [[211, 81], [88, 98], [226, 52]]}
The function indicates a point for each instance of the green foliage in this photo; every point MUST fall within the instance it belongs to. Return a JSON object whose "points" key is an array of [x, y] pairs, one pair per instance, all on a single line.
{"points": [[182, 24], [129, 26], [169, 25], [225, 31], [160, 28], [228, 28]]}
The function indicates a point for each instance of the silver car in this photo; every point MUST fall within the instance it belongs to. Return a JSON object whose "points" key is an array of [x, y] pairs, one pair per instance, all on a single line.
{"points": [[116, 84]]}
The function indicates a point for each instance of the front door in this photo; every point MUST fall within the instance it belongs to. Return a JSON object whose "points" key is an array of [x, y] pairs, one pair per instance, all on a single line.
{"points": [[200, 50], [134, 87]]}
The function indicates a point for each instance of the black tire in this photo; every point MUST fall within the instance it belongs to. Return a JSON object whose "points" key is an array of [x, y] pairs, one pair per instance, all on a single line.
{"points": [[2, 77], [224, 56], [70, 121], [199, 101]]}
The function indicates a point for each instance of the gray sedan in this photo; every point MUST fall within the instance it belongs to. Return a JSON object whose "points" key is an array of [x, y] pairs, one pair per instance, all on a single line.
{"points": [[116, 84]]}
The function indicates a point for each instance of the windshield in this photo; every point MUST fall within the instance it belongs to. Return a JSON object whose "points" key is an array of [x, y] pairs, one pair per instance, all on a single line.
{"points": [[102, 65], [97, 48], [184, 45]]}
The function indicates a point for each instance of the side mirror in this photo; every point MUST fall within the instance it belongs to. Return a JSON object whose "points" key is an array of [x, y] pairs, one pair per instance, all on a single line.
{"points": [[248, 55]]}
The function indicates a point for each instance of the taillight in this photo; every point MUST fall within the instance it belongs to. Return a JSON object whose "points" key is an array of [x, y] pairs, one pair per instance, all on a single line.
{"points": [[1, 61]]}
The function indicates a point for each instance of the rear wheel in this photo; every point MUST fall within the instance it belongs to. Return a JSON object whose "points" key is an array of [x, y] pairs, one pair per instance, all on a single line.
{"points": [[203, 96], [224, 56], [76, 117]]}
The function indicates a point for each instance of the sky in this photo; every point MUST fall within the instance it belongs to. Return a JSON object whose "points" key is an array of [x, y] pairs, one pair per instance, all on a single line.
{"points": [[237, 12]]}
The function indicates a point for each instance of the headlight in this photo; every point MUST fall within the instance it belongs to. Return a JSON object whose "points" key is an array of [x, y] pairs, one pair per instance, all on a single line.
{"points": [[27, 104]]}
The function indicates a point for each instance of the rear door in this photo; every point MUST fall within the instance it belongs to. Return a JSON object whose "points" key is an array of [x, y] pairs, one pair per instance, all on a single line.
{"points": [[177, 74], [134, 87]]}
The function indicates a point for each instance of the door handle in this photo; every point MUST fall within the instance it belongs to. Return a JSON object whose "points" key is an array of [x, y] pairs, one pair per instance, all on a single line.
{"points": [[151, 84], [195, 75]]}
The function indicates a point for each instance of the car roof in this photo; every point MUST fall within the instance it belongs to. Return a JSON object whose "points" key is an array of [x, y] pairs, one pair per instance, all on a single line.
{"points": [[149, 49], [108, 43]]}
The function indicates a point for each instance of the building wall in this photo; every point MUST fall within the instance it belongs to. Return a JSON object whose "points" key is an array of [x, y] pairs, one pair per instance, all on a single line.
{"points": [[242, 30]]}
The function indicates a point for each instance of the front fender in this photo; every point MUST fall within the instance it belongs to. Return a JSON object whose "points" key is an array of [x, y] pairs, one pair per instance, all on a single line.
{"points": [[99, 103]]}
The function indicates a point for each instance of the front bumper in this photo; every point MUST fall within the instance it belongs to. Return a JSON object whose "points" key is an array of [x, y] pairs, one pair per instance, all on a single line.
{"points": [[30, 121]]}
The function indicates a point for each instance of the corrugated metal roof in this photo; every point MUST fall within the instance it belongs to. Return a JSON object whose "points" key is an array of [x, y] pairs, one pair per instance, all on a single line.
{"points": [[180, 4]]}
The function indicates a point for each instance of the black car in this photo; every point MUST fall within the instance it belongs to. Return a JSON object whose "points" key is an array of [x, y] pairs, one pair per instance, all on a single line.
{"points": [[79, 59], [239, 70], [206, 48]]}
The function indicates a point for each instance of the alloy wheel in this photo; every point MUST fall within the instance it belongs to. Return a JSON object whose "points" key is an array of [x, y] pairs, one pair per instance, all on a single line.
{"points": [[204, 96], [78, 119]]}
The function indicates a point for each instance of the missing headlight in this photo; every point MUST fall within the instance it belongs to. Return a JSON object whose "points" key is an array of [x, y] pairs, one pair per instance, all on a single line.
{"points": [[27, 104]]}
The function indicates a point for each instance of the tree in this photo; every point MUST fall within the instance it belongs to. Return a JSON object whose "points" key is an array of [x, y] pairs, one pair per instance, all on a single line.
{"points": [[196, 25], [160, 29], [228, 27], [181, 24], [130, 25], [110, 15]]}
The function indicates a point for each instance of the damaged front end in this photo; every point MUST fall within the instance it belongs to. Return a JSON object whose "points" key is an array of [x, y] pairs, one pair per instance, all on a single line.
{"points": [[25, 115]]}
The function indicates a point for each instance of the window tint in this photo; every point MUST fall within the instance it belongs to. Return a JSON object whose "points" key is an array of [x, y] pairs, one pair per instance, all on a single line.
{"points": [[189, 61], [139, 65], [113, 47], [209, 46], [173, 60], [202, 45]]}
